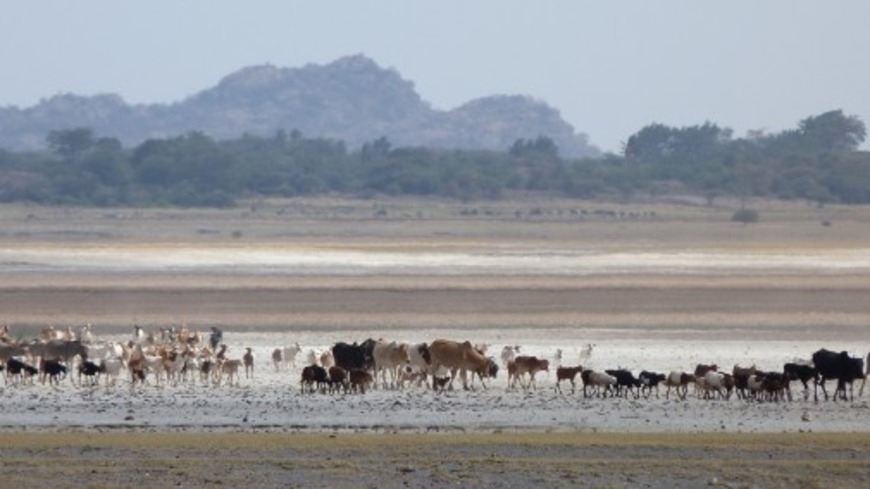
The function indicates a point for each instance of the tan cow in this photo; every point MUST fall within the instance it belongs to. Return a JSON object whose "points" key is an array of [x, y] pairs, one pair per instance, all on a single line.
{"points": [[457, 357], [230, 368], [523, 365], [8, 350]]}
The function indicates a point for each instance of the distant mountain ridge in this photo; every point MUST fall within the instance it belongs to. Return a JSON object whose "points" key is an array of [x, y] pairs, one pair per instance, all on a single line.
{"points": [[351, 99]]}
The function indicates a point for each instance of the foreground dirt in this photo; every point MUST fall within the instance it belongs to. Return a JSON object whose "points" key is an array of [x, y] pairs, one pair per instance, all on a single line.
{"points": [[519, 460]]}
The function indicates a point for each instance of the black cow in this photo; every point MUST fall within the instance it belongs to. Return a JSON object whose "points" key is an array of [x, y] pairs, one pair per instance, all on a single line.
{"points": [[16, 368], [774, 386], [840, 366], [314, 375], [54, 370], [802, 372], [354, 357], [650, 381], [90, 370], [625, 379]]}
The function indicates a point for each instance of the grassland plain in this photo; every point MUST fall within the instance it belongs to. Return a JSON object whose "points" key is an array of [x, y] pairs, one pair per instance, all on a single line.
{"points": [[807, 279]]}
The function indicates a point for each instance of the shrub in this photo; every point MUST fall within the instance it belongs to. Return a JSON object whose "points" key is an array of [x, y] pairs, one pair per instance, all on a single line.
{"points": [[745, 216]]}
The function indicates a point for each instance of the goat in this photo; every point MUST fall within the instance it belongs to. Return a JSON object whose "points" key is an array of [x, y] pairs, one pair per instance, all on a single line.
{"points": [[231, 369]]}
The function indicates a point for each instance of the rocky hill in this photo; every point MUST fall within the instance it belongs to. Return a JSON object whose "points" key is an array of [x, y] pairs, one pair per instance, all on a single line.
{"points": [[351, 99]]}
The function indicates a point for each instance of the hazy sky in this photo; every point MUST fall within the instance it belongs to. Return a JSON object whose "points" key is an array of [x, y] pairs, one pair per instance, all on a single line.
{"points": [[609, 67]]}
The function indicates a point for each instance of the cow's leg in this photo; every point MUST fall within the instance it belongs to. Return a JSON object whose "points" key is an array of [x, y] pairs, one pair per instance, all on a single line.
{"points": [[393, 377], [821, 383]]}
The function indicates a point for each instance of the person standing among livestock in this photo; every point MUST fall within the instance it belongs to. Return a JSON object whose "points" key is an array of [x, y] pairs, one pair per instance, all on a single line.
{"points": [[216, 337]]}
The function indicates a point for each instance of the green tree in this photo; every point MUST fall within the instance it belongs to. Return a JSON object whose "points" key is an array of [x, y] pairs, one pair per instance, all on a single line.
{"points": [[832, 131], [70, 143], [108, 162], [651, 144]]}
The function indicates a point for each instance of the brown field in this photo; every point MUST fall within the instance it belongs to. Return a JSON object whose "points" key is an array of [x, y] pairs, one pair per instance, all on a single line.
{"points": [[798, 300], [789, 304]]}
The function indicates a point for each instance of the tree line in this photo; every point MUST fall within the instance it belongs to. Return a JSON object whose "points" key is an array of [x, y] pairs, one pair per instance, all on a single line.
{"points": [[818, 161]]}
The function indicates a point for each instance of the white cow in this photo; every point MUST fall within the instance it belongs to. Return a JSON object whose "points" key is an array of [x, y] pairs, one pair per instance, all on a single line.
{"points": [[111, 368], [598, 380], [680, 382], [288, 355], [390, 357], [714, 384]]}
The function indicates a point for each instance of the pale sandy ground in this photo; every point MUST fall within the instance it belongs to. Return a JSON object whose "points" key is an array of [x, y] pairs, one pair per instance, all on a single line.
{"points": [[660, 322]]}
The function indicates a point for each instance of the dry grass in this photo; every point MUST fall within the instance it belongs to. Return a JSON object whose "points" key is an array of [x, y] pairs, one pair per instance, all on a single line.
{"points": [[504, 459], [421, 224]]}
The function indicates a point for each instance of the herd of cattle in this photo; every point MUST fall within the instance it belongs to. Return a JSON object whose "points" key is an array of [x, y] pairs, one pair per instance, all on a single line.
{"points": [[354, 366], [184, 356]]}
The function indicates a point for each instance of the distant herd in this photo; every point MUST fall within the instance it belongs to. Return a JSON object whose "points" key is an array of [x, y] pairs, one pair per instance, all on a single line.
{"points": [[182, 356]]}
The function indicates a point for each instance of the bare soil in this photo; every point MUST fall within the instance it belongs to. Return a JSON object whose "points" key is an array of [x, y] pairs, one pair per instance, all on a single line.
{"points": [[803, 307]]}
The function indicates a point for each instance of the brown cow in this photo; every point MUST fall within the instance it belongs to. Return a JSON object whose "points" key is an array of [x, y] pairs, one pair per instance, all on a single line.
{"points": [[338, 379], [567, 373], [457, 357], [360, 380]]}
